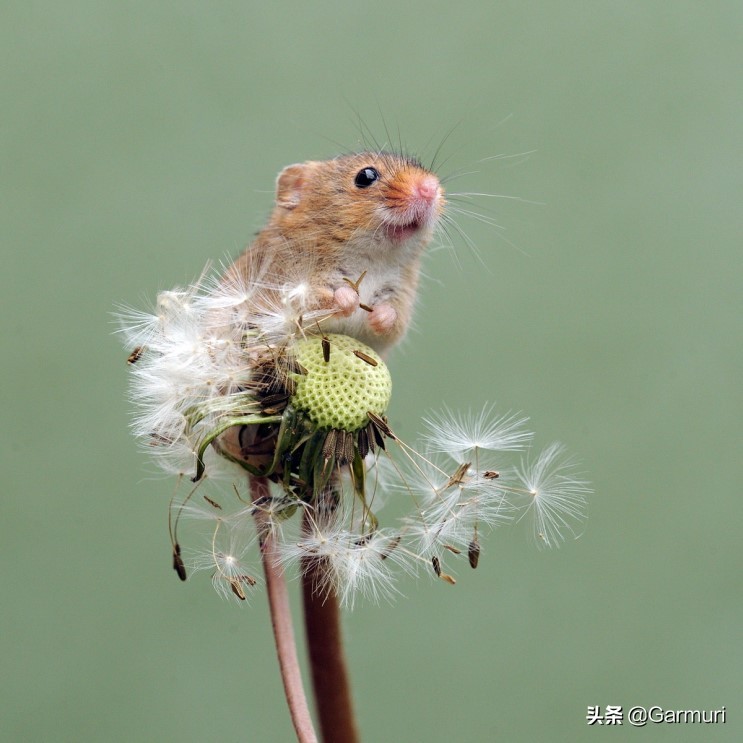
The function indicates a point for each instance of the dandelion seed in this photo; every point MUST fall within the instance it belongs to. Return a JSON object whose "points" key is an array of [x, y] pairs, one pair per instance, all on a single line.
{"points": [[450, 506], [135, 355], [473, 553], [178, 564], [362, 571], [365, 358], [459, 435], [436, 565], [225, 559], [237, 589], [458, 478], [391, 546], [556, 494]]}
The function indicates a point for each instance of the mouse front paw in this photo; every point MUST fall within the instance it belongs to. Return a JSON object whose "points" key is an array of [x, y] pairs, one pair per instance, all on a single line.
{"points": [[382, 318], [346, 301]]}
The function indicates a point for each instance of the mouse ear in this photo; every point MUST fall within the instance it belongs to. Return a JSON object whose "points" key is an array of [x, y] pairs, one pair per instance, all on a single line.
{"points": [[289, 185]]}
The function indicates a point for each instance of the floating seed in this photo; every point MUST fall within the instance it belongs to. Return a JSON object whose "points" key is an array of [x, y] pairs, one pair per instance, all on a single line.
{"points": [[364, 357], [458, 477], [212, 502], [452, 549], [436, 565], [365, 307], [326, 349], [391, 546], [491, 475], [473, 553], [178, 565], [135, 355], [237, 589]]}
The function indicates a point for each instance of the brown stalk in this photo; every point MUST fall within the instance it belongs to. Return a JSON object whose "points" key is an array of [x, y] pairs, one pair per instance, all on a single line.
{"points": [[281, 620], [330, 681]]}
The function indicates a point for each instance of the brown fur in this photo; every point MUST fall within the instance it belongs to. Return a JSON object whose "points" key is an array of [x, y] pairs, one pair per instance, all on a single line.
{"points": [[324, 225]]}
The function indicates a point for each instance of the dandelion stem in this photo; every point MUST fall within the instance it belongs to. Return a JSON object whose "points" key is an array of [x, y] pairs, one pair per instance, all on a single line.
{"points": [[327, 661], [281, 620]]}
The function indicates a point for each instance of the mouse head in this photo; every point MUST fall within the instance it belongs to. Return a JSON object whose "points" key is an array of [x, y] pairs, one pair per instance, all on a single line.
{"points": [[369, 196]]}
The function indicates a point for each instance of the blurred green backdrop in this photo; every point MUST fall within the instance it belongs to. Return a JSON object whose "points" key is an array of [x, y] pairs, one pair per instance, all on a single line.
{"points": [[140, 140]]}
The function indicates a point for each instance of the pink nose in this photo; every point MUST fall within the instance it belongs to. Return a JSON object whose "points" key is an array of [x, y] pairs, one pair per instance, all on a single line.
{"points": [[428, 188]]}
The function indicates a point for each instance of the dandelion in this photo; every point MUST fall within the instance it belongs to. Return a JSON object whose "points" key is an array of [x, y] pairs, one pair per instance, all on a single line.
{"points": [[234, 376], [231, 377]]}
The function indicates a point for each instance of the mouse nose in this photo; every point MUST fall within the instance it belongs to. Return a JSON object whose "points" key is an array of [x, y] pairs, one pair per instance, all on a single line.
{"points": [[428, 188]]}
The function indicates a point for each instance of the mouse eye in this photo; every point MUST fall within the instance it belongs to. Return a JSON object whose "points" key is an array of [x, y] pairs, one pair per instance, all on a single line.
{"points": [[365, 177]]}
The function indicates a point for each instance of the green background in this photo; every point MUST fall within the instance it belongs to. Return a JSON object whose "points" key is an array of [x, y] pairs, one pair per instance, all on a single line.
{"points": [[140, 140]]}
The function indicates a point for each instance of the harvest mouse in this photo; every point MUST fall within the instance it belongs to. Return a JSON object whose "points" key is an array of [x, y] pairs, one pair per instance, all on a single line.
{"points": [[352, 229]]}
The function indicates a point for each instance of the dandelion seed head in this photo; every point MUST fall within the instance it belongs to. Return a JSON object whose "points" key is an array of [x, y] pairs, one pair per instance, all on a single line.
{"points": [[339, 393], [236, 373]]}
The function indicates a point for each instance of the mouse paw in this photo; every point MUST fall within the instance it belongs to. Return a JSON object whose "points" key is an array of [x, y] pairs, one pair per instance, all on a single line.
{"points": [[346, 300], [382, 318]]}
